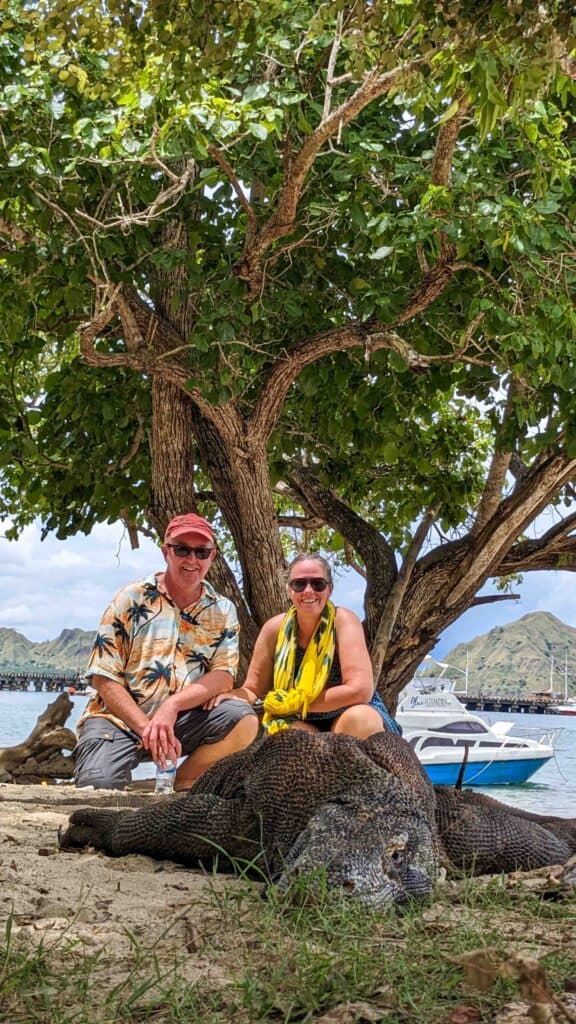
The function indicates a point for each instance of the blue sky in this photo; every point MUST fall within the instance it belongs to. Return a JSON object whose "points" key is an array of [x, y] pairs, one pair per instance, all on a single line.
{"points": [[46, 586]]}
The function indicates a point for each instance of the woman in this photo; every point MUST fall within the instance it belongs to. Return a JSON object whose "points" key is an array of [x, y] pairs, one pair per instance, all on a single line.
{"points": [[311, 666]]}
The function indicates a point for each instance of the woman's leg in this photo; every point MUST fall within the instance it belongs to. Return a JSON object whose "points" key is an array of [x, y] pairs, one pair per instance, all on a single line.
{"points": [[359, 720]]}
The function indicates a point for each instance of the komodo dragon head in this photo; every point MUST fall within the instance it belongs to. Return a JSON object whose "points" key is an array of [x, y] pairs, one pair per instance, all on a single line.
{"points": [[379, 851]]}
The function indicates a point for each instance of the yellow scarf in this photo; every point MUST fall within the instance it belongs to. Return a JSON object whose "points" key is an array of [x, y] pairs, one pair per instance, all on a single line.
{"points": [[291, 697]]}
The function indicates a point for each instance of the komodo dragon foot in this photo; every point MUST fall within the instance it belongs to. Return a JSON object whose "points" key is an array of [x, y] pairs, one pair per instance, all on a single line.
{"points": [[185, 829], [91, 826]]}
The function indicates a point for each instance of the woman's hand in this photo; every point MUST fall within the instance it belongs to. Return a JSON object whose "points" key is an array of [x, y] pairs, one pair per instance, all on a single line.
{"points": [[239, 694]]}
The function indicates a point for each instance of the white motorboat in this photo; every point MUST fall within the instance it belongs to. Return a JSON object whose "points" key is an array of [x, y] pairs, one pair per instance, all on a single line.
{"points": [[439, 728]]}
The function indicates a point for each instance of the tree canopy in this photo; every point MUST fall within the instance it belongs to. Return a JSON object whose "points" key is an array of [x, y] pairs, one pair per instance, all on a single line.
{"points": [[302, 264]]}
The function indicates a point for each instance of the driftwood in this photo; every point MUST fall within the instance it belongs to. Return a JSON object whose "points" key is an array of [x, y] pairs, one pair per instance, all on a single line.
{"points": [[39, 758]]}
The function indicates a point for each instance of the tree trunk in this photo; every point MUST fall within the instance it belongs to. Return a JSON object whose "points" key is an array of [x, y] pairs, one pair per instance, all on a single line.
{"points": [[172, 455], [172, 436], [173, 492], [238, 468]]}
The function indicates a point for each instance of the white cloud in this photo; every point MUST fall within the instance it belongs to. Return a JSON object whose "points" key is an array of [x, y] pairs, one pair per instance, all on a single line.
{"points": [[14, 615], [50, 585], [66, 560]]}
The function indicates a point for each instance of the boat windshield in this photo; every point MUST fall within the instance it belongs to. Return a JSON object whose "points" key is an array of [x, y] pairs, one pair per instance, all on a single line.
{"points": [[462, 726]]}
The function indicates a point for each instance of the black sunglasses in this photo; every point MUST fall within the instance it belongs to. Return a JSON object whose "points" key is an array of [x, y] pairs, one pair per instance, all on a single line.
{"points": [[182, 551], [317, 584]]}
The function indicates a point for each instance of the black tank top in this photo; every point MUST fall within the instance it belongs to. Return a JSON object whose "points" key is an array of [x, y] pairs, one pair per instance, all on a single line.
{"points": [[335, 677]]}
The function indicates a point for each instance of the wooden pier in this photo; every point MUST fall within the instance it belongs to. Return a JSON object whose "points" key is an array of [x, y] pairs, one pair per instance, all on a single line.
{"points": [[529, 705], [42, 680]]}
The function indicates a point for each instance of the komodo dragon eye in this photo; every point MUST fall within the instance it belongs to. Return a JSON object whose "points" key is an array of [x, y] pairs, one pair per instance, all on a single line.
{"points": [[395, 851]]}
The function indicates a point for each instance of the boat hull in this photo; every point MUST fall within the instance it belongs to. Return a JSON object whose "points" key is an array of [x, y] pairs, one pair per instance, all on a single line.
{"points": [[485, 773]]}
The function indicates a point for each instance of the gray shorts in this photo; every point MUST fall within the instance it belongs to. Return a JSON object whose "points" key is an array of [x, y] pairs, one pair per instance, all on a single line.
{"points": [[105, 755]]}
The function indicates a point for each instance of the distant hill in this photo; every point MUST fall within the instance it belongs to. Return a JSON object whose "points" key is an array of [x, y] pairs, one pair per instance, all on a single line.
{"points": [[70, 650], [513, 659], [516, 659]]}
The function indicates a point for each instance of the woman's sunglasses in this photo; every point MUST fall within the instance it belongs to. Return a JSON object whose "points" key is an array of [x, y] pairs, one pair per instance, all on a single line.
{"points": [[318, 585], [182, 551]]}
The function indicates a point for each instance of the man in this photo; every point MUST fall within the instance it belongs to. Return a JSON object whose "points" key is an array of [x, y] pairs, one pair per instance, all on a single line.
{"points": [[165, 646]]}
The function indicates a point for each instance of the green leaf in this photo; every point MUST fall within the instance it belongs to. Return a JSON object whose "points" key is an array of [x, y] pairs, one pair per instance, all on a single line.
{"points": [[256, 92], [259, 131], [382, 253]]}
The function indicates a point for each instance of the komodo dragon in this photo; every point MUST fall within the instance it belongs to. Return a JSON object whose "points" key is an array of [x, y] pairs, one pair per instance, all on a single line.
{"points": [[363, 811]]}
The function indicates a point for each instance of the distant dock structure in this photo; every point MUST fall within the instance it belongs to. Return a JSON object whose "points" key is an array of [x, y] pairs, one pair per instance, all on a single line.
{"points": [[532, 704], [45, 680]]}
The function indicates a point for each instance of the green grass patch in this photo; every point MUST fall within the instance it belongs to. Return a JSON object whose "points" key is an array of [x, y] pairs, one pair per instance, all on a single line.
{"points": [[289, 958]]}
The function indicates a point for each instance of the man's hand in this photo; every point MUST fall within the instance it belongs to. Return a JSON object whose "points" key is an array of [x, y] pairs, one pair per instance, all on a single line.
{"points": [[159, 738]]}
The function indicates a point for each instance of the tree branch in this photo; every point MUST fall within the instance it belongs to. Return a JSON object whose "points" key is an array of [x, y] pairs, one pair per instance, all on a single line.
{"points": [[331, 66], [431, 286], [446, 142], [281, 222], [389, 616], [337, 339], [300, 522], [436, 279], [499, 466], [373, 548], [163, 202], [147, 335], [556, 549], [352, 561], [488, 555], [131, 453], [493, 599], [242, 197]]}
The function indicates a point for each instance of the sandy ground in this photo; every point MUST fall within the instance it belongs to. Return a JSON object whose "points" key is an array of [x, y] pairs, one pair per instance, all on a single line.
{"points": [[121, 907], [98, 903]]}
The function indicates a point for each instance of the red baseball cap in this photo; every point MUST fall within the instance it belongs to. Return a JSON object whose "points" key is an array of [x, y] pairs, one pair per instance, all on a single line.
{"points": [[189, 523]]}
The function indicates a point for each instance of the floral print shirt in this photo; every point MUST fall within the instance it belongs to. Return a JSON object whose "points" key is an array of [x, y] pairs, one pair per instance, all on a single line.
{"points": [[153, 648]]}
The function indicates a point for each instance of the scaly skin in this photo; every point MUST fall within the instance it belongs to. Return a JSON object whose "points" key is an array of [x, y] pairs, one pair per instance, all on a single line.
{"points": [[363, 812], [295, 803]]}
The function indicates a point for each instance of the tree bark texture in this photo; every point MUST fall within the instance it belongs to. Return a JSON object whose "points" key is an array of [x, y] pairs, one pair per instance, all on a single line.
{"points": [[238, 468], [172, 454]]}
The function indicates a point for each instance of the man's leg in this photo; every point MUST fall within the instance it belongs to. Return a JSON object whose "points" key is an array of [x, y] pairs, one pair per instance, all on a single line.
{"points": [[208, 736], [104, 755]]}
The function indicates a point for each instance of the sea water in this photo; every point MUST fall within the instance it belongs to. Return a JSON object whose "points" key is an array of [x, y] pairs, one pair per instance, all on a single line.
{"points": [[552, 790], [19, 712]]}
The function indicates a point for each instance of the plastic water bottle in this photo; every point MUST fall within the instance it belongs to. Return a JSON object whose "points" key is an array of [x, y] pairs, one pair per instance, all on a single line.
{"points": [[165, 778]]}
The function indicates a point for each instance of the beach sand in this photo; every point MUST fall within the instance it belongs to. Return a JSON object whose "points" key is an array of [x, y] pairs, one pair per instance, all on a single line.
{"points": [[129, 911], [97, 904]]}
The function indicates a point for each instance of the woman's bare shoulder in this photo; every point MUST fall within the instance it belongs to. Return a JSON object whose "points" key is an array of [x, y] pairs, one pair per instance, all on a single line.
{"points": [[271, 627], [345, 616]]}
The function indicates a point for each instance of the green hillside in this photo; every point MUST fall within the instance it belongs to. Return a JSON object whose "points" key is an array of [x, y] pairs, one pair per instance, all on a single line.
{"points": [[519, 658], [70, 650]]}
